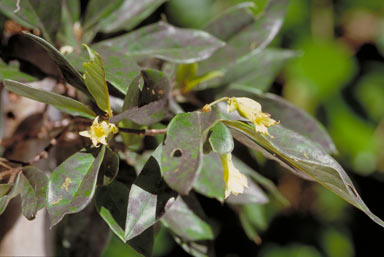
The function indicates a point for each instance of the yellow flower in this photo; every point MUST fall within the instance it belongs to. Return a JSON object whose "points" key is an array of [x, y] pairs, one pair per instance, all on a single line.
{"points": [[235, 182], [99, 131], [251, 110]]}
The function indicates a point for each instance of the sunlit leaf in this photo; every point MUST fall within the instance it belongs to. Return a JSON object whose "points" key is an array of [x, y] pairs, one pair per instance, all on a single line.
{"points": [[94, 78]]}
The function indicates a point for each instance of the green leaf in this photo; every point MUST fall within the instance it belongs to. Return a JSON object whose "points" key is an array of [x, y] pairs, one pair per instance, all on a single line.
{"points": [[259, 179], [10, 72], [221, 139], [33, 190], [163, 41], [120, 70], [153, 100], [130, 209], [15, 190], [300, 155], [231, 21], [149, 198], [65, 104], [44, 15], [109, 168], [97, 10], [4, 189], [71, 75], [187, 220], [252, 194], [210, 180], [196, 248], [254, 34], [72, 184], [181, 158], [94, 78], [129, 14]]}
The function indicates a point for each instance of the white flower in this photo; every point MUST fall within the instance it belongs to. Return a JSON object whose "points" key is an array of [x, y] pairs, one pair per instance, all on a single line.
{"points": [[99, 131], [235, 181]]}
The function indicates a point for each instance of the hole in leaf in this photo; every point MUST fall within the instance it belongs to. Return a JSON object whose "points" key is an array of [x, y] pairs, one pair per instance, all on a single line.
{"points": [[11, 115], [176, 152]]}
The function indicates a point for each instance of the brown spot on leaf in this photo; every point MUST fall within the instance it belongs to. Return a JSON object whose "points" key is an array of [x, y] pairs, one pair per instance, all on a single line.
{"points": [[58, 200]]}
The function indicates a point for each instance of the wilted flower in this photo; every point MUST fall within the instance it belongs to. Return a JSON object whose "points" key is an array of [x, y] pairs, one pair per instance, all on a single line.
{"points": [[99, 131], [235, 182], [251, 110]]}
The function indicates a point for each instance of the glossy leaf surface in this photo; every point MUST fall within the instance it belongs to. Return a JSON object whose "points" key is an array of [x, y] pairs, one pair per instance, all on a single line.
{"points": [[302, 156], [163, 41], [72, 184]]}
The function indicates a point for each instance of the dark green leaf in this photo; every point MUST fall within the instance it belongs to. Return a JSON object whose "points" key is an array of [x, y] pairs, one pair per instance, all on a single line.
{"points": [[181, 158], [130, 209], [97, 10], [44, 15], [71, 75], [254, 34], [149, 198], [33, 190], [143, 243], [256, 72], [63, 103], [85, 234], [109, 168], [133, 93], [10, 72], [129, 14], [186, 219], [153, 100], [163, 41], [210, 180], [94, 78], [72, 184], [221, 139], [111, 203], [300, 155], [232, 21]]}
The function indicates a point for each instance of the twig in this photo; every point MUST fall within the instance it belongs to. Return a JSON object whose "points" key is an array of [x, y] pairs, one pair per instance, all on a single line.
{"points": [[144, 132], [17, 6]]}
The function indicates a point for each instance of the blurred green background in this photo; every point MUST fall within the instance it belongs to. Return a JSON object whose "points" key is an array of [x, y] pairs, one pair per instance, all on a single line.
{"points": [[339, 79]]}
